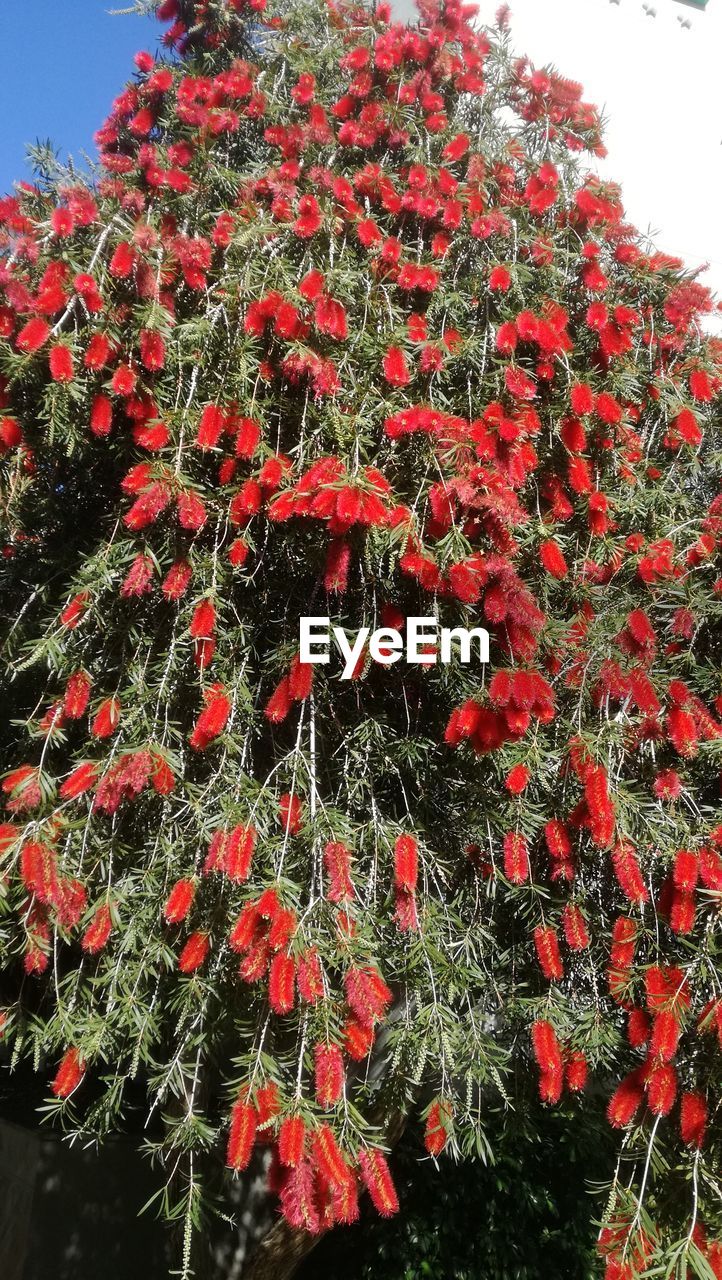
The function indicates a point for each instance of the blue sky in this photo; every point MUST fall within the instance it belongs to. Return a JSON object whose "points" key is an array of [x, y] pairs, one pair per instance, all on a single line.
{"points": [[63, 63]]}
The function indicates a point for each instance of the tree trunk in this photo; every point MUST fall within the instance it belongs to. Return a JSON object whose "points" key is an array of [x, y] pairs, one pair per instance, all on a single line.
{"points": [[279, 1253]]}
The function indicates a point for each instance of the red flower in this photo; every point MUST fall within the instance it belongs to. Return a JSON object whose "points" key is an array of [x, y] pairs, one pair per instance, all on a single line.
{"points": [[179, 901], [575, 927], [661, 1088], [330, 1075], [290, 812], [281, 981], [546, 1047], [547, 949], [98, 931], [291, 1141], [33, 336], [69, 1074], [61, 364], [499, 279], [378, 1182], [194, 953], [552, 558], [582, 399], [213, 718], [337, 862], [436, 1133], [79, 781], [516, 858], [101, 415], [152, 350], [517, 779], [693, 1118], [107, 718], [406, 863], [242, 1134], [396, 370], [626, 1100], [77, 695], [575, 1071]]}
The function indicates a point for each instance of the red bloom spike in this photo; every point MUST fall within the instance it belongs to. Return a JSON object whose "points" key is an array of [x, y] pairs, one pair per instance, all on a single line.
{"points": [[242, 1133], [330, 1074], [69, 1074], [194, 953], [693, 1118], [291, 1141], [179, 901], [378, 1182], [547, 949]]}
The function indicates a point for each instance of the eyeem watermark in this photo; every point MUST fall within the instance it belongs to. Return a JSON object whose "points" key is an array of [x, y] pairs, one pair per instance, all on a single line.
{"points": [[425, 643]]}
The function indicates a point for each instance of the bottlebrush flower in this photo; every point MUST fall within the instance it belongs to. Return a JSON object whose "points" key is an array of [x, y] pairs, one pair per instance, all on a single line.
{"points": [[337, 863], [626, 1100], [212, 719], [628, 873], [546, 1047], [667, 785], [406, 863], [152, 350], [693, 1118], [61, 364], [378, 1182], [98, 931], [457, 148], [38, 871], [242, 1134], [101, 416], [179, 901], [396, 370], [517, 868], [661, 1085], [575, 927], [436, 1132], [69, 1074], [367, 994], [281, 981], [123, 261], [547, 949], [280, 702], [309, 977], [77, 696], [581, 398], [358, 1039], [666, 1031], [575, 1071], [75, 610], [32, 336], [499, 279], [330, 1075], [79, 781], [238, 851], [192, 513], [107, 718], [291, 1141], [639, 1028], [290, 812], [328, 1157], [682, 912], [517, 779], [194, 953], [97, 354], [552, 559], [177, 580]]}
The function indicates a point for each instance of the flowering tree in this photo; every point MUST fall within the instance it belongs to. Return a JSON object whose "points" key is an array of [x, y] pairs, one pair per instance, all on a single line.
{"points": [[345, 327]]}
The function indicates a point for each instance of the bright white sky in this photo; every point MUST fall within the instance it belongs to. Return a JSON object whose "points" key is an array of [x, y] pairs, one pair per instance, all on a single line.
{"points": [[660, 89]]}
